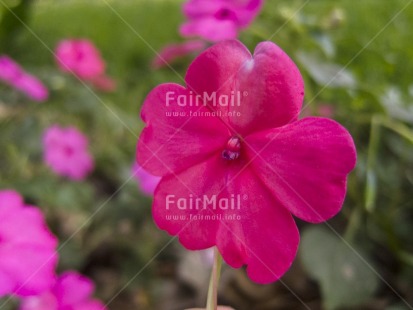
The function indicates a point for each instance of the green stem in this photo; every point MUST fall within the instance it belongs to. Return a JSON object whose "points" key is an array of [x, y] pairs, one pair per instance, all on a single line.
{"points": [[213, 283], [353, 225], [371, 182]]}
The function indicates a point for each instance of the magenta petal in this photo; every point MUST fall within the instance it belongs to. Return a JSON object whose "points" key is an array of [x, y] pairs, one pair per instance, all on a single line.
{"points": [[27, 227], [72, 291], [10, 71], [173, 142], [32, 267], [264, 236], [175, 208], [305, 164], [272, 89], [260, 233], [32, 87], [220, 19], [215, 71], [267, 89], [210, 28], [73, 288], [146, 181], [27, 248], [46, 301], [199, 8], [248, 12], [9, 199], [6, 283], [90, 305]]}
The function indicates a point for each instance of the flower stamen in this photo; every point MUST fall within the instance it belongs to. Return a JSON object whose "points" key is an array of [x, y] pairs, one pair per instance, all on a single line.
{"points": [[233, 148]]}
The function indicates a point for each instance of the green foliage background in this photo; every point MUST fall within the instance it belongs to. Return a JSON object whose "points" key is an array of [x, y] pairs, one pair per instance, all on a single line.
{"points": [[356, 56]]}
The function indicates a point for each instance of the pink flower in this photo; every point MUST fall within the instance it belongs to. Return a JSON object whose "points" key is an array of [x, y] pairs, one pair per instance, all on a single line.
{"points": [[12, 74], [32, 87], [146, 181], [216, 20], [71, 291], [27, 248], [238, 163], [10, 71], [174, 51], [80, 57], [66, 152]]}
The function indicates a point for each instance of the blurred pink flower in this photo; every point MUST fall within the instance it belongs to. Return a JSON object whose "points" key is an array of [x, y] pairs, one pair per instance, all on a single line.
{"points": [[28, 255], [174, 51], [66, 152], [72, 291], [146, 181], [32, 87], [12, 74], [236, 166], [10, 71], [80, 57], [216, 20]]}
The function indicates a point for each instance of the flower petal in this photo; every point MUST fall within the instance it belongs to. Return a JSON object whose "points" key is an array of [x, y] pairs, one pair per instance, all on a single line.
{"points": [[73, 288], [246, 222], [305, 164], [9, 199], [263, 236], [210, 29], [26, 227], [200, 8], [214, 71], [248, 10], [173, 142], [264, 91], [46, 301], [91, 305], [32, 87], [6, 283], [33, 267], [272, 89], [176, 207]]}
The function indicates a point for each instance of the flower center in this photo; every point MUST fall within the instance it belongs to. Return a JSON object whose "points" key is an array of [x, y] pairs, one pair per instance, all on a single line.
{"points": [[68, 151], [225, 14], [232, 149]]}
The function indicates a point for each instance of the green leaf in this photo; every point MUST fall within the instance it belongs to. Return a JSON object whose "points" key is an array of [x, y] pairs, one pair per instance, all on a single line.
{"points": [[342, 270]]}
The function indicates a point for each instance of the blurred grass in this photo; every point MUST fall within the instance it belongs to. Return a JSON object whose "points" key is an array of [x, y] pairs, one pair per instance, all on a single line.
{"points": [[333, 31], [130, 32]]}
